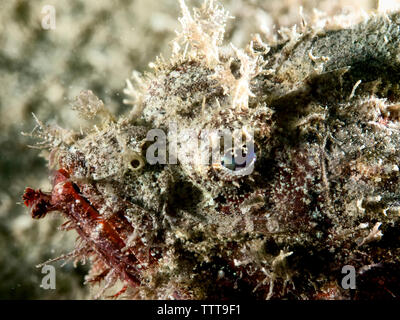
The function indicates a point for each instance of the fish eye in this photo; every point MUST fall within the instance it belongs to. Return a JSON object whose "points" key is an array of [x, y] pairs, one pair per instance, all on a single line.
{"points": [[238, 159]]}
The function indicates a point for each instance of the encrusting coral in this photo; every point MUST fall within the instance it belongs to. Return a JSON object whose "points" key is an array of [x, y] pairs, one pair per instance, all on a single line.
{"points": [[321, 107]]}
